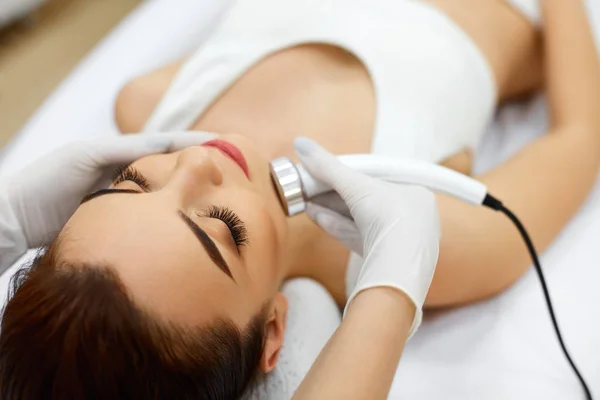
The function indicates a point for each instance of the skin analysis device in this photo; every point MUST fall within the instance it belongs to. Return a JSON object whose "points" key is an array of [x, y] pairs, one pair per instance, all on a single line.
{"points": [[296, 186]]}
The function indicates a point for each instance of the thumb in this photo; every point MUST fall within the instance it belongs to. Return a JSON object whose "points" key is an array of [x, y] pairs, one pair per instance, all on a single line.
{"points": [[325, 167], [337, 226]]}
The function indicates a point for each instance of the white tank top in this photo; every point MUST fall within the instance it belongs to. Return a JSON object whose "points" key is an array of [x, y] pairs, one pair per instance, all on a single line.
{"points": [[530, 9], [434, 90]]}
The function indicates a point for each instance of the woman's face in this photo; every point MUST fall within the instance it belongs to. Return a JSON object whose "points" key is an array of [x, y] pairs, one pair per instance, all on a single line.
{"points": [[194, 235]]}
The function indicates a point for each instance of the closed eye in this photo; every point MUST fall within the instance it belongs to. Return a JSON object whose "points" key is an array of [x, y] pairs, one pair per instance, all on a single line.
{"points": [[234, 223], [131, 174]]}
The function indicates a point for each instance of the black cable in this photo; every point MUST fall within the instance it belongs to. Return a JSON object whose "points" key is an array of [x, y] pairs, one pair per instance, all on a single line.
{"points": [[497, 205]]}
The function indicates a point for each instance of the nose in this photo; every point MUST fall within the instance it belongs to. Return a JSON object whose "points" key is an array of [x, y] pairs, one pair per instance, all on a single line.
{"points": [[195, 172]]}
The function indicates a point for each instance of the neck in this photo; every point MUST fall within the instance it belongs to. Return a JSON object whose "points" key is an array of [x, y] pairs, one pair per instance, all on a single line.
{"points": [[298, 254], [312, 253]]}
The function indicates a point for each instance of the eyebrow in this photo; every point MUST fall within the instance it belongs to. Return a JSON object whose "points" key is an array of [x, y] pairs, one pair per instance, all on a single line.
{"points": [[205, 240], [104, 192], [207, 243]]}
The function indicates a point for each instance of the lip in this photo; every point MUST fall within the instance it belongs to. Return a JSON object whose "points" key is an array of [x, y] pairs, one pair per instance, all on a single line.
{"points": [[230, 151]]}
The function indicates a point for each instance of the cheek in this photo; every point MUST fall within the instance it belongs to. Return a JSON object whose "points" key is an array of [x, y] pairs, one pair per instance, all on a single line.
{"points": [[264, 252], [273, 211], [261, 174]]}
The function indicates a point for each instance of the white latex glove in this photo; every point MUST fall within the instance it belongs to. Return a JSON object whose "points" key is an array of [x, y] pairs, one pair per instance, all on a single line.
{"points": [[36, 202], [394, 227]]}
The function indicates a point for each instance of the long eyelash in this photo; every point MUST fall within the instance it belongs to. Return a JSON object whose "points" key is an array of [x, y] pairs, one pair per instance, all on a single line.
{"points": [[123, 174], [233, 222]]}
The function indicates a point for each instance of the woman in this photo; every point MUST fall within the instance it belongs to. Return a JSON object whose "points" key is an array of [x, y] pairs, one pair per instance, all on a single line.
{"points": [[394, 287], [186, 276]]}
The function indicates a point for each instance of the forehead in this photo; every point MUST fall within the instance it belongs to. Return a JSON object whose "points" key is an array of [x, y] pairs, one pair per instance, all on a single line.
{"points": [[155, 254]]}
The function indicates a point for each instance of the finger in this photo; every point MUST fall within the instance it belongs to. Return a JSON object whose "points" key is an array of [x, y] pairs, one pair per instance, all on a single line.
{"points": [[182, 140], [333, 201], [126, 149], [325, 167], [337, 226]]}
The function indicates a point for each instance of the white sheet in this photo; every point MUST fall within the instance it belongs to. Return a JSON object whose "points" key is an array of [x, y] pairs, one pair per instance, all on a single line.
{"points": [[500, 349]]}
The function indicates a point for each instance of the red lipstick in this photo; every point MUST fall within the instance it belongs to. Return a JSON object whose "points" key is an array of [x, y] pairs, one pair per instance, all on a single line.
{"points": [[231, 152]]}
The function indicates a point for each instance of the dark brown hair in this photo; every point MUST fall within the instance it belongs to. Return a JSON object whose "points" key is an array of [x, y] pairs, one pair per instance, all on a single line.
{"points": [[72, 332]]}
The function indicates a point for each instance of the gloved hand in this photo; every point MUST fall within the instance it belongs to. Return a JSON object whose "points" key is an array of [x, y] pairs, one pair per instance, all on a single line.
{"points": [[36, 202], [394, 227]]}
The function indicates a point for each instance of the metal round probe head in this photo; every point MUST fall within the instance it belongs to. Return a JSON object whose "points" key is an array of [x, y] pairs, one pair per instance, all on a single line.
{"points": [[288, 184]]}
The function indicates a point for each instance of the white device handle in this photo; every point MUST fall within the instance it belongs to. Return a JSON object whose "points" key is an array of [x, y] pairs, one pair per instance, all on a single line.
{"points": [[394, 170]]}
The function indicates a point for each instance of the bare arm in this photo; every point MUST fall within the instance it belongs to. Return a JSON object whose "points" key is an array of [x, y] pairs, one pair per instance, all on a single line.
{"points": [[360, 360], [545, 184], [138, 99]]}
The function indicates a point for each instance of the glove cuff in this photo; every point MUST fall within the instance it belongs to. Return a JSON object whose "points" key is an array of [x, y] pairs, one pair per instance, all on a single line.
{"points": [[418, 318]]}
